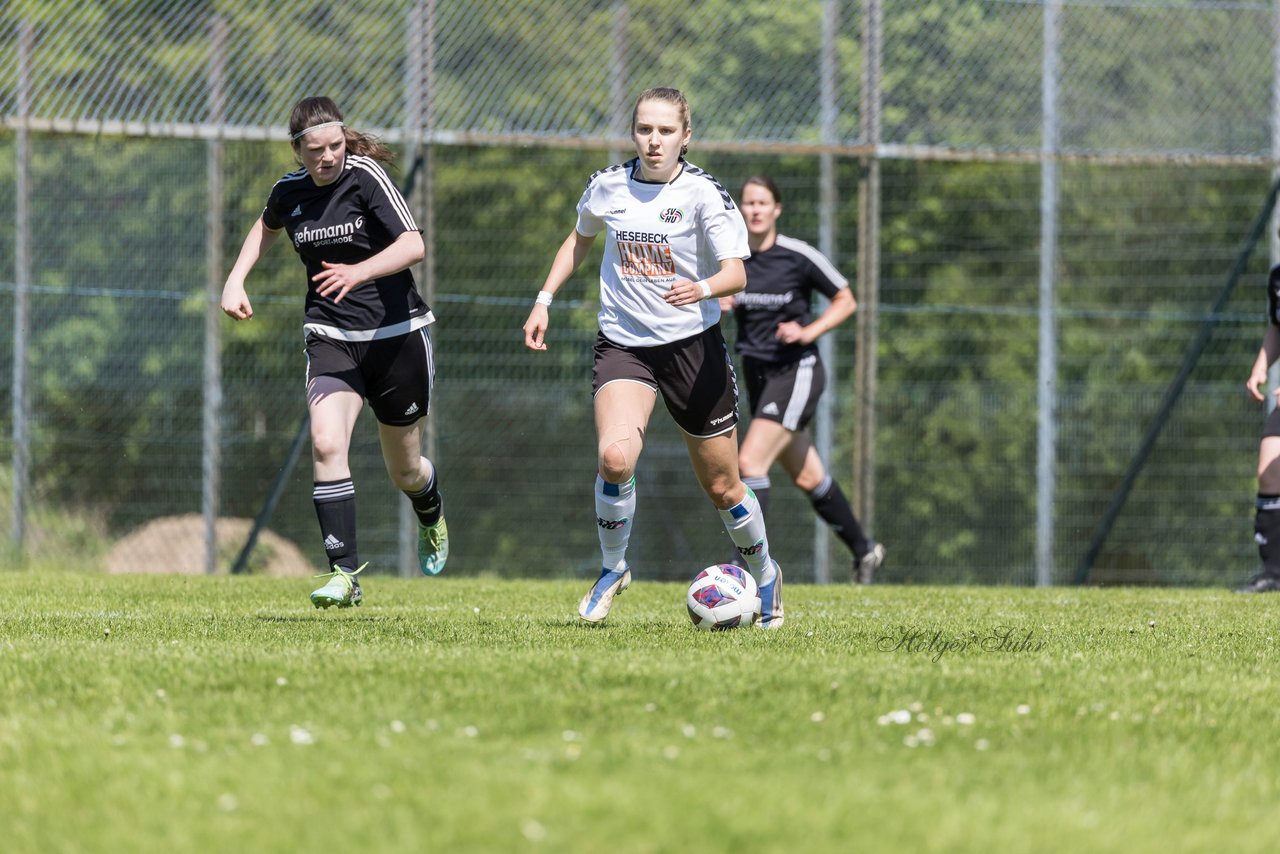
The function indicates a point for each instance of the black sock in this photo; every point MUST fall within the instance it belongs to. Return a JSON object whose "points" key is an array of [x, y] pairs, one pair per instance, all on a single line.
{"points": [[1266, 532], [829, 503], [335, 502], [760, 486], [427, 503]]}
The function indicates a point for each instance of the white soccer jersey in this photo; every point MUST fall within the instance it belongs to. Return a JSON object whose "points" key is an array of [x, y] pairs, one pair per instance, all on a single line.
{"points": [[654, 235]]}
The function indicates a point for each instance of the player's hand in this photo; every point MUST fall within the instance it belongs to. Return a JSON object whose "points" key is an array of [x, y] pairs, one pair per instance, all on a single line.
{"points": [[727, 303], [535, 328], [790, 332], [235, 302], [336, 279], [683, 292], [1258, 381]]}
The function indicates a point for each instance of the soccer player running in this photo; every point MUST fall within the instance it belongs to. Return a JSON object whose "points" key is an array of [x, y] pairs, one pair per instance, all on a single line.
{"points": [[674, 244], [365, 329], [784, 374], [1266, 520]]}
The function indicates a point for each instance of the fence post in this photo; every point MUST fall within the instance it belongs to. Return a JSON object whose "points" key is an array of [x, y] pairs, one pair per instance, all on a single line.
{"points": [[828, 194], [22, 294], [420, 122], [212, 439], [868, 295], [1047, 370]]}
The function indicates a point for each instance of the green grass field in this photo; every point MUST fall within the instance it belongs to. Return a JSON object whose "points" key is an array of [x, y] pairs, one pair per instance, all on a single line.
{"points": [[214, 714]]}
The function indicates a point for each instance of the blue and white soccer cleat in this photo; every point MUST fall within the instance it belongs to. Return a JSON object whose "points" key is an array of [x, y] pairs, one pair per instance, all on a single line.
{"points": [[771, 601], [433, 547], [342, 589], [595, 606]]}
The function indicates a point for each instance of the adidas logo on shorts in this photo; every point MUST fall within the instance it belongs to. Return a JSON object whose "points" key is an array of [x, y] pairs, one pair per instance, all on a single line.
{"points": [[770, 408], [413, 407]]}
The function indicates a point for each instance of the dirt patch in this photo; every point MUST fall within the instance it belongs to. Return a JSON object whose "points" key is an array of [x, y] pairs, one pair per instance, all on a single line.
{"points": [[175, 544]]}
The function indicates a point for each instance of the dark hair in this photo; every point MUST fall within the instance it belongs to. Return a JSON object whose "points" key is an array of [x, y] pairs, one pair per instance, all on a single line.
{"points": [[318, 110], [669, 96], [766, 182]]}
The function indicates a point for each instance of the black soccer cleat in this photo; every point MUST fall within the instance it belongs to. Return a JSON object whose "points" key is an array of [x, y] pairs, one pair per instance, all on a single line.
{"points": [[1263, 582]]}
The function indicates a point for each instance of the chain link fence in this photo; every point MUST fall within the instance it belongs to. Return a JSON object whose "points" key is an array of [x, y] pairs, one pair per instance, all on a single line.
{"points": [[978, 168]]}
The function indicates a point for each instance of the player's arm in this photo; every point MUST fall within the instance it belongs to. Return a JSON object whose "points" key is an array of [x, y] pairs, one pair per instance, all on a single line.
{"points": [[842, 305], [1267, 356], [338, 279], [568, 258], [731, 279], [235, 301]]}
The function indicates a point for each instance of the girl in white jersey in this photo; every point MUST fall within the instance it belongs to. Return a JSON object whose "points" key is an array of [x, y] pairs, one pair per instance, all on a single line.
{"points": [[366, 328], [674, 243]]}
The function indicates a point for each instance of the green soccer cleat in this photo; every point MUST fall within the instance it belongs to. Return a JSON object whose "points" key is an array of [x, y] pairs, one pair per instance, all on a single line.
{"points": [[433, 547], [342, 589]]}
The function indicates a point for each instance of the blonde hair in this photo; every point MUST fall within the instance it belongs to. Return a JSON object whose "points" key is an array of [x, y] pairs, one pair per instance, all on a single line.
{"points": [[319, 110], [667, 95]]}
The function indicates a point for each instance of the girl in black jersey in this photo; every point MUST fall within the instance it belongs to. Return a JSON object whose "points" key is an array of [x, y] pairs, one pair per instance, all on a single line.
{"points": [[1266, 520], [366, 328], [784, 374]]}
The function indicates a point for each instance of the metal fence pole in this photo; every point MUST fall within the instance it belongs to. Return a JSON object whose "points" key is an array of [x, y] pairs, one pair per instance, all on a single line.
{"points": [[212, 439], [618, 96], [1047, 369], [1273, 373], [420, 121], [828, 193], [868, 266], [22, 294]]}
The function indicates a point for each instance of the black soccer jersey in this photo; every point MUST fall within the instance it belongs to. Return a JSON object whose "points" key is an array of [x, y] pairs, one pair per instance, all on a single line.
{"points": [[780, 284], [1273, 296], [345, 222]]}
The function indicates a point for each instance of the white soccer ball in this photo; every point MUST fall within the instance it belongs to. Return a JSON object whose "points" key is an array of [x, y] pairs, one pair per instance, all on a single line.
{"points": [[722, 597]]}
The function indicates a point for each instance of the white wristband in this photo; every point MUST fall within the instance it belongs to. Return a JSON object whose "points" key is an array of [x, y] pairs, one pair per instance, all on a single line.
{"points": [[543, 298], [706, 290]]}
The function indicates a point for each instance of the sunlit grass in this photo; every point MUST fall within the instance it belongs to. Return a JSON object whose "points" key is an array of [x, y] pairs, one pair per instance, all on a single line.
{"points": [[165, 714]]}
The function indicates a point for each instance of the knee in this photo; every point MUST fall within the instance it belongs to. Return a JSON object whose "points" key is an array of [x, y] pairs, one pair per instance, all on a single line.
{"points": [[328, 446], [405, 477], [749, 467], [725, 492], [808, 481], [615, 465]]}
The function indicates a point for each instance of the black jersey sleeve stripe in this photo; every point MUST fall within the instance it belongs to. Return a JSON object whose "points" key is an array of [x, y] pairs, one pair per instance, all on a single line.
{"points": [[825, 267], [724, 194], [614, 168], [366, 164]]}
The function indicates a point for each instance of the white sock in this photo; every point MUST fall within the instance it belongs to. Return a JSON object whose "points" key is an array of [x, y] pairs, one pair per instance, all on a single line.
{"points": [[745, 524], [615, 505]]}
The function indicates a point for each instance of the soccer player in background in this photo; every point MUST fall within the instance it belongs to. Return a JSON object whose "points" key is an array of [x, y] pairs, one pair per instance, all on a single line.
{"points": [[365, 328], [1266, 520], [674, 244], [783, 372]]}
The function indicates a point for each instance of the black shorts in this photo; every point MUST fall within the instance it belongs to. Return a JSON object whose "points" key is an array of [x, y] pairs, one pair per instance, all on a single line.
{"points": [[695, 376], [394, 374], [1271, 427], [786, 393]]}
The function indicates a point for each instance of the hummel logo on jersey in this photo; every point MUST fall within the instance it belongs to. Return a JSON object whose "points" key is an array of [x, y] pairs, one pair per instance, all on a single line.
{"points": [[413, 407], [297, 211], [616, 212], [331, 543], [770, 408]]}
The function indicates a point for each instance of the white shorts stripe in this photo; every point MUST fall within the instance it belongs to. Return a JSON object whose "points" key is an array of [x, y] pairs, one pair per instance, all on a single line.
{"points": [[799, 394], [413, 324]]}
